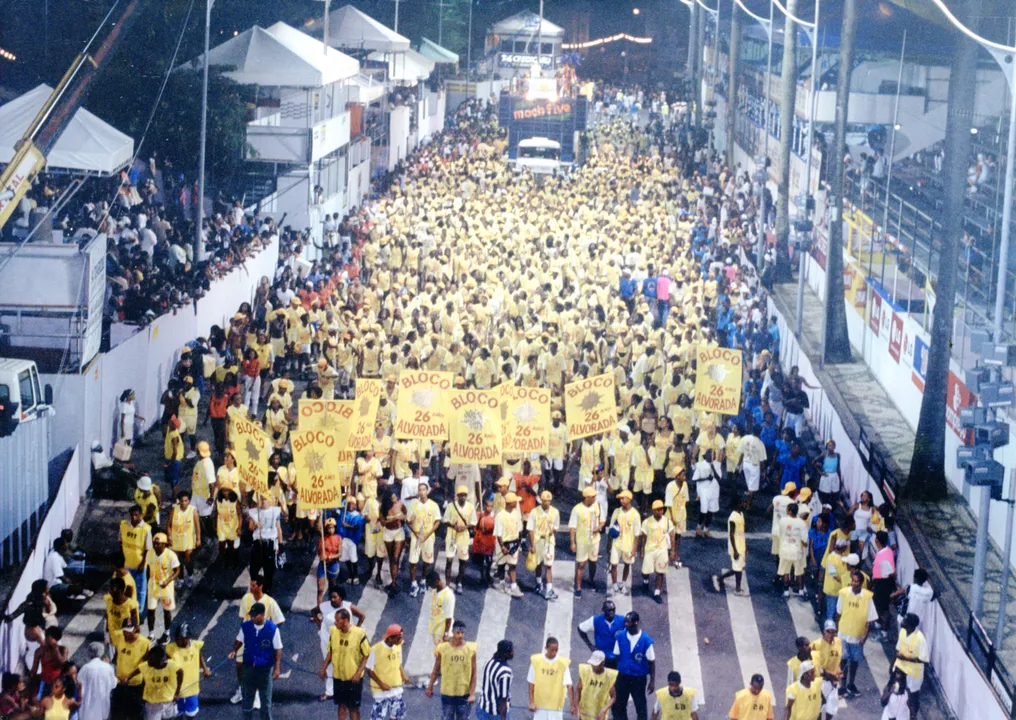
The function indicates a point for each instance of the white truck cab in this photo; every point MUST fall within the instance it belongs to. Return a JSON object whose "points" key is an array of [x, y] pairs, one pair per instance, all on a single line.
{"points": [[539, 154], [19, 383]]}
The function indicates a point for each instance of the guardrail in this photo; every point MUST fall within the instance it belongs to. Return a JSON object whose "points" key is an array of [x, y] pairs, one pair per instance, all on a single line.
{"points": [[981, 650]]}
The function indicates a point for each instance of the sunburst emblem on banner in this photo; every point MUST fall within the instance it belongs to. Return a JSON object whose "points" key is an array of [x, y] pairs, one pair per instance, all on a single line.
{"points": [[423, 397], [313, 461], [590, 401], [364, 406], [526, 412], [717, 372], [473, 419], [253, 451]]}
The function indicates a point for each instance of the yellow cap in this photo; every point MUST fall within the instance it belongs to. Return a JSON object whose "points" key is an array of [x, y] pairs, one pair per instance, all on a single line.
{"points": [[545, 495], [203, 449], [160, 537], [188, 379], [511, 498], [789, 488], [804, 495], [330, 522], [502, 482], [624, 494], [589, 492], [556, 415], [657, 504], [461, 490], [185, 351]]}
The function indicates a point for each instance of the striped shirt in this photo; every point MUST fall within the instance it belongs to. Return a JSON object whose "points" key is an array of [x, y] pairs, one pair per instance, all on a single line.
{"points": [[495, 685]]}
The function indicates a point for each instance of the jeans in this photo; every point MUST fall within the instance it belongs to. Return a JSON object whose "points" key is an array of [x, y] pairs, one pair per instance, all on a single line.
{"points": [[262, 561], [173, 473], [454, 707], [141, 580], [484, 715], [257, 680], [633, 686]]}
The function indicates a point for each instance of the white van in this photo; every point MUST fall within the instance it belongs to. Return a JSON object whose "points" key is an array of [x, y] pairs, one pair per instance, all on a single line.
{"points": [[539, 154], [19, 383]]}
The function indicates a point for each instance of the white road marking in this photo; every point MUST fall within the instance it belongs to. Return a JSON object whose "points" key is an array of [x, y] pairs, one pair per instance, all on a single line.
{"points": [[683, 634], [747, 641], [421, 652], [559, 612], [493, 625], [372, 603], [241, 582], [306, 596]]}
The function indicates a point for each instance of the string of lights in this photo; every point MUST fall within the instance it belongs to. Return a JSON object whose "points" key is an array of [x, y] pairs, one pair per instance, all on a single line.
{"points": [[7, 55], [604, 40]]}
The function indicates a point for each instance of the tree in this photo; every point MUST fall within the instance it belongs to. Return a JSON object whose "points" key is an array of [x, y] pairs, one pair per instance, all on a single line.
{"points": [[927, 467], [454, 18], [837, 338], [788, 98]]}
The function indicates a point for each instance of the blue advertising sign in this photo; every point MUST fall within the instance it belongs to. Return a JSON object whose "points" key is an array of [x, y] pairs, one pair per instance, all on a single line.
{"points": [[921, 350]]}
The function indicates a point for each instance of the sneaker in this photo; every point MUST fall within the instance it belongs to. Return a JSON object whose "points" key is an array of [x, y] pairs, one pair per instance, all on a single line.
{"points": [[458, 588], [87, 593], [577, 594], [515, 592], [551, 595], [716, 583], [677, 564], [786, 593], [77, 597], [257, 701], [625, 590], [853, 691], [658, 597], [742, 593], [237, 697], [414, 591]]}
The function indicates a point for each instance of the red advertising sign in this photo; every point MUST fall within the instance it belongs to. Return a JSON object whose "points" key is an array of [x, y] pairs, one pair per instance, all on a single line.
{"points": [[875, 316], [956, 396], [896, 337]]}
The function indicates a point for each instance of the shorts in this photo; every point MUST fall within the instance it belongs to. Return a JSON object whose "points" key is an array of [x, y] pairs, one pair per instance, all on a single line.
{"points": [[544, 550], [589, 551], [347, 692], [709, 503], [160, 711], [389, 708], [396, 535], [331, 567], [373, 545], [751, 476], [203, 506], [503, 558], [680, 521], [455, 707], [423, 550], [829, 483], [190, 424], [655, 561], [854, 652], [914, 684], [738, 564], [187, 706], [791, 567], [643, 485], [617, 556], [882, 590], [457, 545], [166, 596], [776, 545], [553, 463], [348, 553]]}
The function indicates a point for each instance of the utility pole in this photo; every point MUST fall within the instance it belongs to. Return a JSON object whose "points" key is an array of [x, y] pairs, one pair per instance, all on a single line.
{"points": [[200, 215], [396, 28], [735, 51], [440, 22], [324, 41], [469, 41]]}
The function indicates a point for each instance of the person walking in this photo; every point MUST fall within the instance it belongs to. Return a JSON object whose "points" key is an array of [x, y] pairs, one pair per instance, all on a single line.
{"points": [[912, 656], [636, 667], [675, 702], [265, 523], [754, 702], [550, 683], [605, 628], [187, 654], [856, 612], [737, 549], [346, 656], [387, 676], [804, 697], [496, 684], [261, 641], [585, 525], [97, 679], [595, 693], [455, 663]]}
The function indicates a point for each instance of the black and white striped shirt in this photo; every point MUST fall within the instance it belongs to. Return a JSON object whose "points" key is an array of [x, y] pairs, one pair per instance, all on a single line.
{"points": [[495, 685]]}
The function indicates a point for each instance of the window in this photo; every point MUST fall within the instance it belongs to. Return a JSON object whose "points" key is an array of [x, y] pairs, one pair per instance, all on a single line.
{"points": [[547, 49], [507, 46], [27, 390]]}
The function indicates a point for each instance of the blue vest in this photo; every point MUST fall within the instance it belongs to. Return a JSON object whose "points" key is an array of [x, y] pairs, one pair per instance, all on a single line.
{"points": [[632, 661], [257, 646], [604, 633]]}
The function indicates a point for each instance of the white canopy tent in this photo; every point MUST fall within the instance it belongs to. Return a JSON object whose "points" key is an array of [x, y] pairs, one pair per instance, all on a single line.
{"points": [[440, 55], [409, 66], [88, 145], [280, 56], [528, 23], [352, 28]]}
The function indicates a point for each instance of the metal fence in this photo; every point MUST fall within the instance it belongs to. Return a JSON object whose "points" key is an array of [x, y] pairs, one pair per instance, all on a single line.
{"points": [[24, 488], [982, 650]]}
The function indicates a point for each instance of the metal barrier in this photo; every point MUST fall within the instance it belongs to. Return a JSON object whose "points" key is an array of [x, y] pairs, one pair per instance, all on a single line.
{"points": [[982, 650]]}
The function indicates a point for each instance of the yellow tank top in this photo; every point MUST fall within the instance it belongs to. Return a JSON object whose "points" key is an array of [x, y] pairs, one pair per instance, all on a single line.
{"points": [[347, 651], [182, 531], [387, 664], [807, 700], [595, 690], [549, 685], [675, 708], [456, 668], [832, 585], [133, 542], [189, 659], [149, 505], [160, 683], [161, 566], [907, 645], [225, 519], [854, 618], [57, 711], [829, 654]]}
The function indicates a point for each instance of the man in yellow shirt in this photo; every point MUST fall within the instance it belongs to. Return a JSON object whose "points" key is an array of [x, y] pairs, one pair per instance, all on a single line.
{"points": [[555, 464], [912, 656], [347, 652], [828, 651], [550, 682], [542, 525], [423, 518], [585, 526], [736, 547], [184, 529], [162, 680], [455, 662], [507, 534], [675, 702], [131, 649], [595, 694], [387, 676], [804, 697], [163, 568], [173, 452], [460, 517], [654, 548], [186, 653], [753, 703], [856, 611], [675, 497], [625, 529]]}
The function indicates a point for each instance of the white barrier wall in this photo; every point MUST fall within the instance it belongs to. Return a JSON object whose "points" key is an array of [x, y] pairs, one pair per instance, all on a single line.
{"points": [[61, 515], [965, 688], [87, 404]]}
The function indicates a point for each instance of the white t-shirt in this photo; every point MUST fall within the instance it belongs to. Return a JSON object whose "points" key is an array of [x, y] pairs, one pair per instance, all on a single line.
{"points": [[328, 615], [54, 568], [97, 679], [268, 520], [632, 639]]}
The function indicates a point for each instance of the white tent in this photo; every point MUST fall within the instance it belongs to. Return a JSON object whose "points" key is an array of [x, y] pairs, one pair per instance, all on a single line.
{"points": [[409, 66], [88, 144], [527, 23], [352, 28], [280, 56], [440, 55]]}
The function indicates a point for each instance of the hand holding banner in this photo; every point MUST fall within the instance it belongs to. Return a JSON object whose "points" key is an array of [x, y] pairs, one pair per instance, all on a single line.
{"points": [[251, 447], [718, 380]]}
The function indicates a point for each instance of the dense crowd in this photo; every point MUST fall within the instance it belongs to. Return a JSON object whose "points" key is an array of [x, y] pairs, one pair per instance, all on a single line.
{"points": [[623, 265]]}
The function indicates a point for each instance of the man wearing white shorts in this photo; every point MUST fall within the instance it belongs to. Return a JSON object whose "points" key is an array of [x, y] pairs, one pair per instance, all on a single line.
{"points": [[423, 518], [654, 546], [460, 517], [706, 477], [542, 525]]}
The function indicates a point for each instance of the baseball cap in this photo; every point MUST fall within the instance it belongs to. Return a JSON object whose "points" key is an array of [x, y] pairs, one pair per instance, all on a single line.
{"points": [[806, 666], [144, 483], [257, 609], [160, 537], [597, 658], [511, 498], [546, 495], [624, 494], [829, 625], [589, 492], [789, 488], [657, 504], [393, 630], [852, 559], [461, 490]]}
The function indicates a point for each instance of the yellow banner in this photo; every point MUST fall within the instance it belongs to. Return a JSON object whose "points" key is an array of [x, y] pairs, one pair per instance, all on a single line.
{"points": [[590, 406], [718, 380], [316, 455], [424, 408], [335, 416], [368, 397], [476, 427], [252, 448], [526, 419]]}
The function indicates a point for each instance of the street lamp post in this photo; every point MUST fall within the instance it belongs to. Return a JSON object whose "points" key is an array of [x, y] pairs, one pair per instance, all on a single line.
{"points": [[1004, 55], [200, 215], [714, 65]]}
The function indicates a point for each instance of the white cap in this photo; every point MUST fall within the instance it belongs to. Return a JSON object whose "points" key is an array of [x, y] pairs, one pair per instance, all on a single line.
{"points": [[144, 483], [806, 666], [597, 658], [852, 559]]}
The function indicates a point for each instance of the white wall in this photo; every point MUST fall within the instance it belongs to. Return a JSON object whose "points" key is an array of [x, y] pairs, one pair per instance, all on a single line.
{"points": [[398, 138]]}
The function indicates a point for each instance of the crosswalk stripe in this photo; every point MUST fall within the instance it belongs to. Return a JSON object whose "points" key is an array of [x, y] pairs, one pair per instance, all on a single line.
{"points": [[493, 625], [746, 637], [877, 661], [559, 612], [421, 651], [803, 618], [241, 582], [683, 634], [372, 602], [306, 596]]}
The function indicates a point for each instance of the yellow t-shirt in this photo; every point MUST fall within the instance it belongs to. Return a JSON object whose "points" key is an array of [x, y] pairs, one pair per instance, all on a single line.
{"points": [[738, 520], [129, 656], [456, 667], [657, 532], [387, 665], [549, 681], [160, 683], [442, 608], [347, 651], [807, 700], [134, 542], [189, 660], [167, 446], [854, 618], [116, 614], [675, 708], [595, 689], [752, 707], [585, 521]]}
